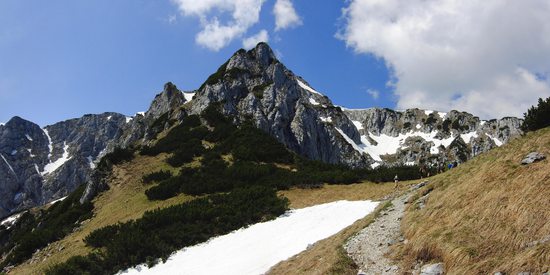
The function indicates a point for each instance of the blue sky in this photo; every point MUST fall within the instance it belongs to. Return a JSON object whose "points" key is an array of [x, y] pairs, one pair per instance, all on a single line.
{"points": [[61, 59], [64, 59]]}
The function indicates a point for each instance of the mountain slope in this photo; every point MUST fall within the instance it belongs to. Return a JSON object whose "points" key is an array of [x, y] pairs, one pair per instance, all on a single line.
{"points": [[428, 137], [489, 215], [40, 165]]}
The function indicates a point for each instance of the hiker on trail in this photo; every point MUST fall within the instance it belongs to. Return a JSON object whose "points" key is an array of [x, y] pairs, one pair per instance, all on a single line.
{"points": [[396, 179]]}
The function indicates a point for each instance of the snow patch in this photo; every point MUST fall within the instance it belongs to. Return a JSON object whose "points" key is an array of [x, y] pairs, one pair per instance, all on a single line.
{"points": [[28, 137], [481, 123], [36, 168], [418, 126], [140, 113], [325, 119], [442, 115], [50, 144], [468, 136], [13, 152], [374, 165], [428, 112], [358, 125], [255, 249], [91, 162], [52, 166], [495, 140], [11, 220], [409, 163], [109, 117], [188, 96], [9, 166], [313, 101], [128, 119], [58, 200], [307, 88]]}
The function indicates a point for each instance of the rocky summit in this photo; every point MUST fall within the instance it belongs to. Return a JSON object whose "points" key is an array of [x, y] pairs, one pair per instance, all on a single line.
{"points": [[39, 165]]}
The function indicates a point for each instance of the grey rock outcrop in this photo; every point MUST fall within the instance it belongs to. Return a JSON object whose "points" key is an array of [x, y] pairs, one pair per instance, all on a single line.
{"points": [[532, 157], [429, 137], [255, 85], [40, 165], [432, 269]]}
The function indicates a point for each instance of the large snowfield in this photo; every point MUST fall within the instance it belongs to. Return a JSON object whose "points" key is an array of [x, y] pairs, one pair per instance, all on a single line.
{"points": [[253, 250]]}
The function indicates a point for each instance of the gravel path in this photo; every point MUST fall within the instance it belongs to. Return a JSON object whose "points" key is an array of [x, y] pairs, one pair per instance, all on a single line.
{"points": [[368, 247]]}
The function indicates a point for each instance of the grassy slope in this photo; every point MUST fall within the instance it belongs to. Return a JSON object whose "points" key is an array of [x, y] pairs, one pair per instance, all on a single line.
{"points": [[124, 201], [482, 217]]}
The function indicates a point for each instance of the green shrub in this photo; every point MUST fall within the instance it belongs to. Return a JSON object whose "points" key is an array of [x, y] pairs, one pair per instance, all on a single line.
{"points": [[160, 232], [537, 117], [156, 176], [34, 232]]}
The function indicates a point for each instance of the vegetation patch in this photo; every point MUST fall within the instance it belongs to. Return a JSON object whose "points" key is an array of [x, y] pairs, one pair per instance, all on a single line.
{"points": [[35, 231], [160, 232]]}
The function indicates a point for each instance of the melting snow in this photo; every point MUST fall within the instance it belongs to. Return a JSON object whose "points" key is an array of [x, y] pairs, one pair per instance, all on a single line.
{"points": [[306, 87], [253, 250], [188, 96], [28, 137], [313, 101], [52, 166]]}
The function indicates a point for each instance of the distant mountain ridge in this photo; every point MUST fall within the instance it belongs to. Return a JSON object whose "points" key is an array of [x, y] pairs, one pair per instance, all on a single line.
{"points": [[39, 165]]}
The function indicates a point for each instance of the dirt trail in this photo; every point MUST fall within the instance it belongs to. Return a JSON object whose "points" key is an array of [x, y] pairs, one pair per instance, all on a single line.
{"points": [[369, 246]]}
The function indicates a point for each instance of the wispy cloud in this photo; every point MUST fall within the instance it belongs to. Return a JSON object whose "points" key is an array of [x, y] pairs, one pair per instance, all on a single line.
{"points": [[375, 94], [216, 34], [285, 15]]}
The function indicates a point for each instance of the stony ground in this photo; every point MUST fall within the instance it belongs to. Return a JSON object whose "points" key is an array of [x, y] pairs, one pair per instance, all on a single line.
{"points": [[369, 246]]}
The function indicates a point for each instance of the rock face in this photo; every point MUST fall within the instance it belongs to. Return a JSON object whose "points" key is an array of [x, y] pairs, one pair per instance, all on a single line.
{"points": [[38, 165], [255, 85], [428, 137]]}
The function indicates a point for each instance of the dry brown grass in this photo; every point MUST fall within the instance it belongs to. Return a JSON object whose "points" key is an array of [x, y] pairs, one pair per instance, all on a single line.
{"points": [[327, 256], [487, 215], [125, 200], [300, 198]]}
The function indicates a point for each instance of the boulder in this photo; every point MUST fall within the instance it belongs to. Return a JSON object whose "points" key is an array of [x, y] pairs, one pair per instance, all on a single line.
{"points": [[532, 157], [432, 269]]}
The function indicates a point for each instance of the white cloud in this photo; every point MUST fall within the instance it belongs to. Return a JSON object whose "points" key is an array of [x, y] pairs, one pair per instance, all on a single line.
{"points": [[375, 94], [285, 15], [215, 34], [476, 56], [252, 41]]}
